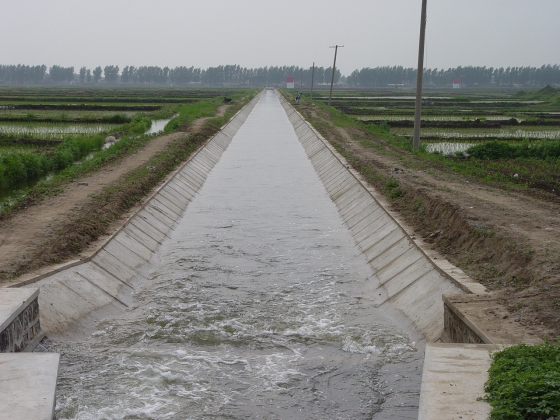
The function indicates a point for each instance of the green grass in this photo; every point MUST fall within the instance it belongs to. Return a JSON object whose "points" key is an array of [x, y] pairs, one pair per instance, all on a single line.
{"points": [[524, 383]]}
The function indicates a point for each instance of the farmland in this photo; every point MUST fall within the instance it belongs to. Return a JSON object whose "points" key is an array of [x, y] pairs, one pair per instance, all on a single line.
{"points": [[455, 120], [44, 130]]}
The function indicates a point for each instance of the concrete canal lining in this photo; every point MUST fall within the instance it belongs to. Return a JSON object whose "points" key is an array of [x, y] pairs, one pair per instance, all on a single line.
{"points": [[409, 279], [69, 295]]}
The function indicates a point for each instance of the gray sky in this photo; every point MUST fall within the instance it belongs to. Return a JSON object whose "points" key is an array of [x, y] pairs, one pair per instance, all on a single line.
{"points": [[254, 33]]}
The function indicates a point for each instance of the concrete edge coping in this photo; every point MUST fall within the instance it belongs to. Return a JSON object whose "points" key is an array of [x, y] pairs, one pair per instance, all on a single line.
{"points": [[447, 302], [34, 277], [13, 307], [463, 281]]}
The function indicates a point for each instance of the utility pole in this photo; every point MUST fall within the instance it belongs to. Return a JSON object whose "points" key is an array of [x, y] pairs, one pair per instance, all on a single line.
{"points": [[333, 70], [418, 106], [312, 76], [301, 79]]}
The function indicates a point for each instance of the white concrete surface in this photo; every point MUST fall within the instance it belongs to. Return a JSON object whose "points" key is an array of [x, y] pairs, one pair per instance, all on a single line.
{"points": [[28, 385], [453, 380]]}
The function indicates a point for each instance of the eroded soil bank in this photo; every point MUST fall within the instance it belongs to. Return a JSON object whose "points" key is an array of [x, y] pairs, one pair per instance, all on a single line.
{"points": [[506, 238]]}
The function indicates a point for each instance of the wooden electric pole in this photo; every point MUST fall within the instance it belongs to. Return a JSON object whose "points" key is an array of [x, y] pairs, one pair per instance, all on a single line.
{"points": [[418, 106], [312, 76], [333, 70]]}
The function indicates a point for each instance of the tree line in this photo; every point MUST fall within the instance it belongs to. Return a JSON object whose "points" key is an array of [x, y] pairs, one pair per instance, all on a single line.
{"points": [[468, 76], [235, 75], [228, 75]]}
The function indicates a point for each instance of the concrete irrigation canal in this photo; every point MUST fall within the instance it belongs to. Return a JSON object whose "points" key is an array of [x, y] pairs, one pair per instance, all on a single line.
{"points": [[262, 281]]}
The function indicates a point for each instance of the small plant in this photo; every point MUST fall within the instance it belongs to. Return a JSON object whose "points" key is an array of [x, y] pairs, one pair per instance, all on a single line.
{"points": [[395, 192], [392, 186]]}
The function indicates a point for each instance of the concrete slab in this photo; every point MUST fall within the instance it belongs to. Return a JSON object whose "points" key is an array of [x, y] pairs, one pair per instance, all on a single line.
{"points": [[484, 315], [419, 302], [144, 216], [176, 206], [359, 214], [369, 221], [67, 298], [390, 247], [125, 255], [134, 245], [28, 385], [106, 282], [114, 266], [163, 207], [452, 381], [147, 230], [370, 236], [13, 302], [176, 187], [177, 197]]}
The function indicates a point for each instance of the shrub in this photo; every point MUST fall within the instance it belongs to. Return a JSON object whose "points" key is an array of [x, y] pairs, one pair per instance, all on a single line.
{"points": [[524, 383]]}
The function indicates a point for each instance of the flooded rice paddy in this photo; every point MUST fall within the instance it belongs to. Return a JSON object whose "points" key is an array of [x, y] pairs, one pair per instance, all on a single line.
{"points": [[52, 130], [258, 306], [159, 125]]}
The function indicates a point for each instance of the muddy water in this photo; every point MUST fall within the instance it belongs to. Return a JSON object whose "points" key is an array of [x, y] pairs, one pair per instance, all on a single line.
{"points": [[258, 307]]}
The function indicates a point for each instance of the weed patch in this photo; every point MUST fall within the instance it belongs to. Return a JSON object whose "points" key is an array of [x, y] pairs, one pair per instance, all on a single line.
{"points": [[524, 383]]}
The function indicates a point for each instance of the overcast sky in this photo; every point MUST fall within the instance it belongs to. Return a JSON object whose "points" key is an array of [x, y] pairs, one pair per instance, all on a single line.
{"points": [[255, 33]]}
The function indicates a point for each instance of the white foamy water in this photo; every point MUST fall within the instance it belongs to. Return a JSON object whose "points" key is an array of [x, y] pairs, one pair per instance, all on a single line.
{"points": [[258, 307]]}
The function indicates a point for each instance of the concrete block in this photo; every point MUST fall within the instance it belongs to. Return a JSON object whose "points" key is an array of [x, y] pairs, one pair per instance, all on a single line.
{"points": [[453, 381], [13, 301], [28, 385]]}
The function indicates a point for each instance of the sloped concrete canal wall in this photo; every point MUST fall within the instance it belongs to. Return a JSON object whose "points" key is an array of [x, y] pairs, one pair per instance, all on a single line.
{"points": [[103, 281], [408, 278]]}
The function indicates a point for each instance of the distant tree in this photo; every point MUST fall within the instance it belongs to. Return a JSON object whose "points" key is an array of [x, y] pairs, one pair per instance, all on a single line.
{"points": [[125, 78], [111, 74], [97, 74], [59, 74], [83, 72], [88, 76]]}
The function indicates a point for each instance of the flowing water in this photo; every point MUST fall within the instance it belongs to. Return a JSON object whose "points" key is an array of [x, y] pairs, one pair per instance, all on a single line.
{"points": [[259, 306]]}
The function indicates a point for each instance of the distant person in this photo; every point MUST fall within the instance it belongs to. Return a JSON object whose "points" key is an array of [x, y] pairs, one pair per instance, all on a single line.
{"points": [[298, 97]]}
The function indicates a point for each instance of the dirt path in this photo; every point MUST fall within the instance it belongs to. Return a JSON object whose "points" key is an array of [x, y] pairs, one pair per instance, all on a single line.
{"points": [[508, 239], [23, 236]]}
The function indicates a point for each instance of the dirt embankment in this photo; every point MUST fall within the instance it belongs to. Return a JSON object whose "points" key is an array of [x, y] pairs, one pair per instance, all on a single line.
{"points": [[507, 239], [67, 226]]}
